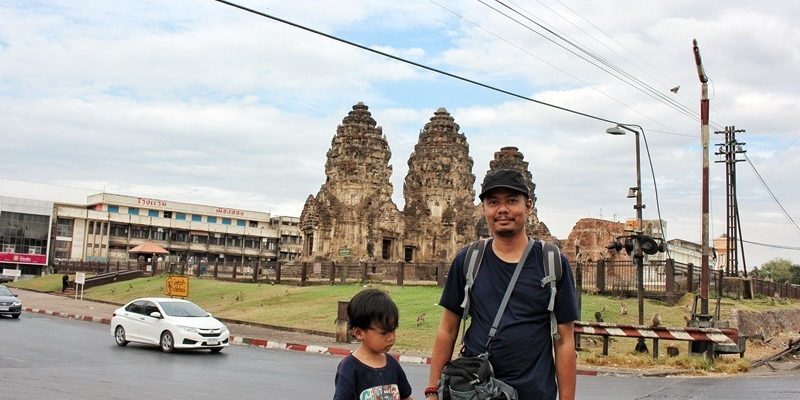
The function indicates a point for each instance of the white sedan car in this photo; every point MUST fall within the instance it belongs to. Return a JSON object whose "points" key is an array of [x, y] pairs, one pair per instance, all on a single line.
{"points": [[169, 323]]}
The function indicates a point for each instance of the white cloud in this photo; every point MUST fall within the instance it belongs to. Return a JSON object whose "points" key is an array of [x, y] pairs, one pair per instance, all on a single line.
{"points": [[205, 103]]}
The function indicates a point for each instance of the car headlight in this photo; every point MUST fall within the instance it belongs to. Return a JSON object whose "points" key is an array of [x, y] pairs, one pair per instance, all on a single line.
{"points": [[16, 303], [224, 329], [187, 328]]}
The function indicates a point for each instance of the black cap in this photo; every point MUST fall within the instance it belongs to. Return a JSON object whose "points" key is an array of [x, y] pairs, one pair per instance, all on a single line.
{"points": [[504, 178]]}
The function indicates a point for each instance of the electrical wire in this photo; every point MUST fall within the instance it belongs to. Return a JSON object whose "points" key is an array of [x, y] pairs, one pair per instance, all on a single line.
{"points": [[686, 113], [425, 67], [761, 179], [774, 246], [640, 85], [555, 67], [655, 188]]}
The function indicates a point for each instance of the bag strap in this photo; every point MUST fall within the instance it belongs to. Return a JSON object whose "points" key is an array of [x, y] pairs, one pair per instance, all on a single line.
{"points": [[507, 295], [474, 259], [552, 264]]}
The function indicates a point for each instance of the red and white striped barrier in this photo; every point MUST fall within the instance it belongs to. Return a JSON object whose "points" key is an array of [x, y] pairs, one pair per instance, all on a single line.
{"points": [[723, 336]]}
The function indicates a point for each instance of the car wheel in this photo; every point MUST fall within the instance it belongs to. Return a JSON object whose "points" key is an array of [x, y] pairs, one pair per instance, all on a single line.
{"points": [[15, 316], [119, 336], [216, 349], [167, 342]]}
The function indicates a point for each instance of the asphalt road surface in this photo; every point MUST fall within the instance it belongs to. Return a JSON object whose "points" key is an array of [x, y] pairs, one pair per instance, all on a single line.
{"points": [[44, 357]]}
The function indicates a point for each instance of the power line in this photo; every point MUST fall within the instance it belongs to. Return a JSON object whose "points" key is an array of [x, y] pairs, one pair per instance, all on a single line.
{"points": [[774, 246], [628, 79], [425, 67], [555, 67], [761, 179]]}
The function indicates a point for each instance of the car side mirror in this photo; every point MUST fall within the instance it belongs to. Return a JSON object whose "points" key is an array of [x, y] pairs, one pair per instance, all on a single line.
{"points": [[155, 314], [209, 314], [15, 294]]}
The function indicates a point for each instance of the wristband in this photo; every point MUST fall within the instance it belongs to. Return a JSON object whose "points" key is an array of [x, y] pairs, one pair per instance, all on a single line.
{"points": [[431, 391]]}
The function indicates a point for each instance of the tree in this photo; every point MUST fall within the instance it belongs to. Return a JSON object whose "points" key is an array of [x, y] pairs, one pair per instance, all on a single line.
{"points": [[780, 269]]}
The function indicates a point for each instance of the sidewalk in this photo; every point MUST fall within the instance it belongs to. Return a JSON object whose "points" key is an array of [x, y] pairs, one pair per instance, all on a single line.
{"points": [[259, 336]]}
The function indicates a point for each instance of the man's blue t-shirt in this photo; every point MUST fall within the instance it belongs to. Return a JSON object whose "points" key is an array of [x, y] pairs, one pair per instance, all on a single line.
{"points": [[521, 352], [358, 381]]}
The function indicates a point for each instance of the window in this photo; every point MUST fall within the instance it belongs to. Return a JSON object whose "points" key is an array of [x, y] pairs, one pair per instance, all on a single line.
{"points": [[241, 222], [234, 241], [226, 221], [90, 229], [152, 213], [140, 232], [212, 220], [251, 242], [179, 236], [64, 227], [253, 224], [216, 240], [113, 209], [119, 230], [133, 211], [180, 216], [197, 218], [168, 214], [8, 248], [198, 239], [159, 234]]}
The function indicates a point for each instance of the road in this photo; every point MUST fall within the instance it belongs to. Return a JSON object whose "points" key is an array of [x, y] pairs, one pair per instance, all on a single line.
{"points": [[44, 357]]}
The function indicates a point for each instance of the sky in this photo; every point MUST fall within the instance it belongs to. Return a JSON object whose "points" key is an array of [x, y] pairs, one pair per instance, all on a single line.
{"points": [[198, 101]]}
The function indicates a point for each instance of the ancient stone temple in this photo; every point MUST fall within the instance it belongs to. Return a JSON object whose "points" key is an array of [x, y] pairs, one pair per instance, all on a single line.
{"points": [[509, 157], [438, 191], [353, 217], [353, 214]]}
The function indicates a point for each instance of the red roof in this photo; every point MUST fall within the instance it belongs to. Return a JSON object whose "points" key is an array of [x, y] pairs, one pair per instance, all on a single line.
{"points": [[148, 247]]}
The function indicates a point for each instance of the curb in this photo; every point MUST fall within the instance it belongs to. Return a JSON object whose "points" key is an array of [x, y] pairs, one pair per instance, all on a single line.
{"points": [[336, 351], [245, 341]]}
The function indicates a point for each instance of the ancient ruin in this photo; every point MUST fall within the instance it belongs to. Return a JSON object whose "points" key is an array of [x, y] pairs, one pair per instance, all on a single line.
{"points": [[439, 192], [353, 214], [353, 217]]}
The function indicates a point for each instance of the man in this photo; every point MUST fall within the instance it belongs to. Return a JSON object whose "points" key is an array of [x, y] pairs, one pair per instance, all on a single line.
{"points": [[522, 351]]}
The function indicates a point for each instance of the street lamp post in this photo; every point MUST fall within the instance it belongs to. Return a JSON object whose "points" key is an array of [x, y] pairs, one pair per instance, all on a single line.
{"points": [[638, 256]]}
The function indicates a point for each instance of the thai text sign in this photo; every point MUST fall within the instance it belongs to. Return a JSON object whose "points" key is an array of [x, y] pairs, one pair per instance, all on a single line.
{"points": [[177, 286]]}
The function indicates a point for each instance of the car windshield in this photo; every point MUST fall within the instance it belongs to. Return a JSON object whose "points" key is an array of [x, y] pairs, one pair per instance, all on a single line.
{"points": [[4, 291], [182, 309]]}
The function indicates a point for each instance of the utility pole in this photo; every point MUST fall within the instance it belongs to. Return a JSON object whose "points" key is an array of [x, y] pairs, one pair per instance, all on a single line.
{"points": [[730, 148], [704, 109]]}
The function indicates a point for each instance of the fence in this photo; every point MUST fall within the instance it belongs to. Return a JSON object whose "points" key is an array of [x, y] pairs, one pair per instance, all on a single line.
{"points": [[302, 273], [663, 279]]}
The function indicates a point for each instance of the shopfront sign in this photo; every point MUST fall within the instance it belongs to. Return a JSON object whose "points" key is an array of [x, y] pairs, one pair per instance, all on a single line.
{"points": [[23, 258]]}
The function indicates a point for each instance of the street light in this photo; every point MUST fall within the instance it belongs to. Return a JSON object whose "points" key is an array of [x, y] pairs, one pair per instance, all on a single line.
{"points": [[638, 257]]}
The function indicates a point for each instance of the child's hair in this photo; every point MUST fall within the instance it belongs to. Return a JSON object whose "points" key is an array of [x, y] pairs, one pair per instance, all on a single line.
{"points": [[372, 306]]}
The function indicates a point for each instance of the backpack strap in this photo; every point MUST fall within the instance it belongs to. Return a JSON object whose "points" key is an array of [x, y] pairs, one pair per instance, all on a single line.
{"points": [[509, 289], [552, 266], [473, 259]]}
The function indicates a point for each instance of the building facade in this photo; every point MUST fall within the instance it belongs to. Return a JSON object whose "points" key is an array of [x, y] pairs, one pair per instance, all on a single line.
{"points": [[111, 224], [25, 226], [353, 217]]}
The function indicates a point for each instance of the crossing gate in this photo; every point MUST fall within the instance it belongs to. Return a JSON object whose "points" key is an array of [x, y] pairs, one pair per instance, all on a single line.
{"points": [[714, 336]]}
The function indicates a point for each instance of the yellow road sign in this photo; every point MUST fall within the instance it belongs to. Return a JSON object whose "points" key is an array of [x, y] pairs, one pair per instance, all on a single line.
{"points": [[177, 286]]}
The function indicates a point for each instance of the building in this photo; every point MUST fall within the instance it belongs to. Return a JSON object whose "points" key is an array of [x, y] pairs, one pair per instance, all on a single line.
{"points": [[25, 227], [110, 224], [352, 217], [685, 252]]}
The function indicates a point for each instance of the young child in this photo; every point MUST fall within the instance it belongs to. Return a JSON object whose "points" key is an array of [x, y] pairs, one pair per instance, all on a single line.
{"points": [[369, 373]]}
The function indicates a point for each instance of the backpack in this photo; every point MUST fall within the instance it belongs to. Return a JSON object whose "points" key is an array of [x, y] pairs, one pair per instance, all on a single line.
{"points": [[472, 378], [553, 271]]}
